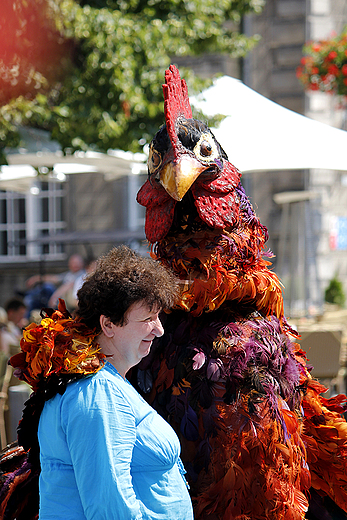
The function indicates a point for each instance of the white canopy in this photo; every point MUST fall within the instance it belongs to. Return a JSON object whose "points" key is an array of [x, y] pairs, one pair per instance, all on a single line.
{"points": [[257, 135], [260, 135], [20, 174]]}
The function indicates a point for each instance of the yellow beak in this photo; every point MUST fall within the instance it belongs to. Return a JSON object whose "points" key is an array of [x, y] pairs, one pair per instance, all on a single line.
{"points": [[177, 177]]}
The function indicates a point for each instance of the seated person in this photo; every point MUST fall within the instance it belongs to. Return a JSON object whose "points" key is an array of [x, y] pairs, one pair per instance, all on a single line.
{"points": [[16, 320]]}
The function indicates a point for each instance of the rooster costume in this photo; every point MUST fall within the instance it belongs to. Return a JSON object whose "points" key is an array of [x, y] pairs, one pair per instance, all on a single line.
{"points": [[259, 441]]}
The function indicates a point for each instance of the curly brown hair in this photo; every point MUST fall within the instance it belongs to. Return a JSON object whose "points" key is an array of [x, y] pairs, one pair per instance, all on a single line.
{"points": [[123, 277]]}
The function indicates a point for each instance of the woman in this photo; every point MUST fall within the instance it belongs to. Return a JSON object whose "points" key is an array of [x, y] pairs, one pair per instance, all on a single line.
{"points": [[104, 452]]}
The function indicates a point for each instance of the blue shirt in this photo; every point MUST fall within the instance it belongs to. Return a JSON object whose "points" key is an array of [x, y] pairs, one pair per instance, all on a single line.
{"points": [[106, 454]]}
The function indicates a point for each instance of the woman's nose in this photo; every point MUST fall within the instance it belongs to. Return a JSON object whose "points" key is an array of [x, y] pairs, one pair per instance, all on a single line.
{"points": [[158, 328]]}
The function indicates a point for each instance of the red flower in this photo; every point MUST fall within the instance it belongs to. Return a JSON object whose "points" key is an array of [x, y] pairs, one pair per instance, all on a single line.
{"points": [[334, 70], [321, 68]]}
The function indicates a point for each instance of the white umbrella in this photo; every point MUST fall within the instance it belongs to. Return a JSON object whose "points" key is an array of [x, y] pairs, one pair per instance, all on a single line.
{"points": [[20, 174], [260, 135], [19, 178], [257, 135]]}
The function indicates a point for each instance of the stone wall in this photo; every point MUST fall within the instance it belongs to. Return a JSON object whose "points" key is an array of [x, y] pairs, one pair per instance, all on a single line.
{"points": [[284, 26]]}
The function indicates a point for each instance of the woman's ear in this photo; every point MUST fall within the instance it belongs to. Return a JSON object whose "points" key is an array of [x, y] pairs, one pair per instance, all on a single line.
{"points": [[107, 326]]}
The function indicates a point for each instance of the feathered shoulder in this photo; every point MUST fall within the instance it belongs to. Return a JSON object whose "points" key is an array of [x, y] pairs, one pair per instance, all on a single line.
{"points": [[58, 345]]}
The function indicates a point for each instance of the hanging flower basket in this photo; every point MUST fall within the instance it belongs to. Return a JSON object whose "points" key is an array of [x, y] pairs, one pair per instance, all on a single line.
{"points": [[324, 66]]}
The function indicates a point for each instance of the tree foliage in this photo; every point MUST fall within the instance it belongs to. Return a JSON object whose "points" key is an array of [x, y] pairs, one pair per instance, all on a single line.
{"points": [[334, 293], [93, 79]]}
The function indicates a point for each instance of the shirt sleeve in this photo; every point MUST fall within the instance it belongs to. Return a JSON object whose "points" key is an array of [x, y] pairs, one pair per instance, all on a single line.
{"points": [[100, 432]]}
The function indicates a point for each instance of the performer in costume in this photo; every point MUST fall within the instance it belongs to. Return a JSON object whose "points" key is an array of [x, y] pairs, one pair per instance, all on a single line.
{"points": [[104, 452]]}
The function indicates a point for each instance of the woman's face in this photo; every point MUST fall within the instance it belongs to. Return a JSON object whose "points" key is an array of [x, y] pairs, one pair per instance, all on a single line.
{"points": [[129, 343]]}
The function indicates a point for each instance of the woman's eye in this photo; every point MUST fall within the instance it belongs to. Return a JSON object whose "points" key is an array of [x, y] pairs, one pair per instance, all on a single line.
{"points": [[205, 148]]}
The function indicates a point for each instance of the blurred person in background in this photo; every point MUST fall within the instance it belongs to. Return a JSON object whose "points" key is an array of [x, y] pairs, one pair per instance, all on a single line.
{"points": [[56, 286], [3, 324], [16, 320], [89, 268]]}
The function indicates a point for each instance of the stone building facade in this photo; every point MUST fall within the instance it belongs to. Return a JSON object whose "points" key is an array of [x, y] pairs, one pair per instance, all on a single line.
{"points": [[300, 232], [88, 213], [306, 260]]}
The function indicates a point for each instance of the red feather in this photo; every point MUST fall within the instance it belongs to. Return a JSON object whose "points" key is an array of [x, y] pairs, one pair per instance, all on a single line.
{"points": [[215, 200], [160, 208]]}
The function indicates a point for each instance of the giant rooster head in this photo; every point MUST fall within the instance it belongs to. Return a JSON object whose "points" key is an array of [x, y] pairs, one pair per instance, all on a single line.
{"points": [[185, 160], [198, 217]]}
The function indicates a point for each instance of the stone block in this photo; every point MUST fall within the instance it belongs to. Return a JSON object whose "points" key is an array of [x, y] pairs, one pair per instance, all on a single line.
{"points": [[320, 7], [321, 28], [318, 101], [288, 33], [288, 56], [291, 8], [284, 82]]}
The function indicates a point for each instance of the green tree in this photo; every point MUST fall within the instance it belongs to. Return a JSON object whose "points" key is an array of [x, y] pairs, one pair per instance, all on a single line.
{"points": [[105, 90], [334, 293]]}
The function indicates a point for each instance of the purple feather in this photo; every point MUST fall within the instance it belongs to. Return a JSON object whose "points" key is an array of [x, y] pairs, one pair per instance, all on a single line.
{"points": [[198, 360], [190, 424]]}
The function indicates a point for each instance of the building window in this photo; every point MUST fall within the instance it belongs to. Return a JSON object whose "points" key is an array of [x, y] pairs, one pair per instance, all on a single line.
{"points": [[25, 218]]}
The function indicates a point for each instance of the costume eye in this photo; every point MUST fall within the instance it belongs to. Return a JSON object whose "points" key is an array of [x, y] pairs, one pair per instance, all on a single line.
{"points": [[154, 160], [206, 148]]}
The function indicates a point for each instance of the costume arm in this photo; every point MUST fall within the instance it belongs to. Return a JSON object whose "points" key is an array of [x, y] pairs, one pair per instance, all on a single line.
{"points": [[100, 432]]}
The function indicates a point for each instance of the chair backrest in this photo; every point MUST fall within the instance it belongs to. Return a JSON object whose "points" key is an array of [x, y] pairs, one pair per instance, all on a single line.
{"points": [[3, 366], [5, 376]]}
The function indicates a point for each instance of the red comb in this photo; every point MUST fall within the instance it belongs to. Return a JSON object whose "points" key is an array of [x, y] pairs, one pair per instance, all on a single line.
{"points": [[176, 100]]}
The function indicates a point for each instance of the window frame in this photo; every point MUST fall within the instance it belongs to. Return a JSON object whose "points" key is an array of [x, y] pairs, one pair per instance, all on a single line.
{"points": [[33, 226]]}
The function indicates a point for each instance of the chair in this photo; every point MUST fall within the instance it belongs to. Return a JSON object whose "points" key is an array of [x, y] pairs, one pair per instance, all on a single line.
{"points": [[6, 372]]}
